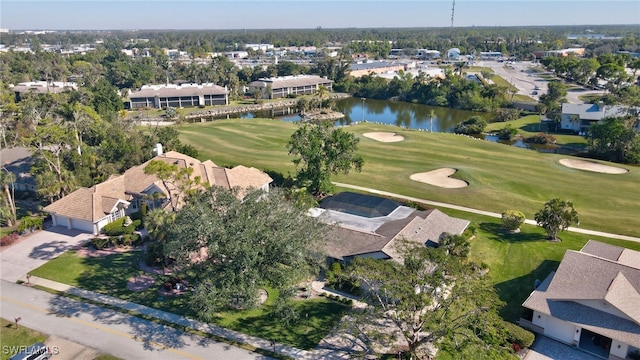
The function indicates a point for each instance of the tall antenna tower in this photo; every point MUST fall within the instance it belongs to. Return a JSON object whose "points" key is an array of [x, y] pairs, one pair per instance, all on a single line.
{"points": [[453, 10]]}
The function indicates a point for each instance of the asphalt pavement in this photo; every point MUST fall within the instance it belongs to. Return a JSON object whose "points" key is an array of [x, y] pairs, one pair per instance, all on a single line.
{"points": [[112, 332]]}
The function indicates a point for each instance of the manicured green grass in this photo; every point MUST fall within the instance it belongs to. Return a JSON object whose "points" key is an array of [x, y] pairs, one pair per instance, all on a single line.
{"points": [[12, 338], [498, 80], [500, 177], [109, 275], [530, 125]]}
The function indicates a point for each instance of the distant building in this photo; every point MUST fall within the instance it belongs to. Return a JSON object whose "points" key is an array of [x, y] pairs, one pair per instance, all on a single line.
{"points": [[42, 87], [427, 54], [185, 95], [559, 53], [280, 87], [375, 67], [453, 54], [579, 117], [256, 47], [490, 55]]}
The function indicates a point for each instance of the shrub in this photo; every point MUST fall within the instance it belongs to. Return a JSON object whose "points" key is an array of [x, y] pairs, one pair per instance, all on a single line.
{"points": [[471, 126], [154, 255], [117, 228], [507, 115], [541, 138], [518, 335], [507, 132], [100, 243], [9, 239], [114, 228], [512, 219], [30, 223]]}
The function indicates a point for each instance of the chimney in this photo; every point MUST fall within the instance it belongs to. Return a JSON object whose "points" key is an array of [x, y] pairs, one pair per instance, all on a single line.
{"points": [[157, 149]]}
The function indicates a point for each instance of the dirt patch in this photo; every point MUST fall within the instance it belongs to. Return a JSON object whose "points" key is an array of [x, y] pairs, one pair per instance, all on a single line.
{"points": [[592, 166], [384, 136], [140, 283], [90, 251], [440, 177]]}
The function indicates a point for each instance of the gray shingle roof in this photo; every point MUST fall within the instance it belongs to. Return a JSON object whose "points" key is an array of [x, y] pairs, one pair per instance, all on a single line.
{"points": [[600, 273], [150, 91], [380, 234]]}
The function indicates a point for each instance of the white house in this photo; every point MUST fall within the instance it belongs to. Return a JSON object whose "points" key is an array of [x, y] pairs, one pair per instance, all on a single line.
{"points": [[90, 209], [579, 117], [592, 301]]}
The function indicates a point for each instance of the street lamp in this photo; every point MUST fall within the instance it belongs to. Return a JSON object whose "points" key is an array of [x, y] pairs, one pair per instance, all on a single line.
{"points": [[363, 99]]}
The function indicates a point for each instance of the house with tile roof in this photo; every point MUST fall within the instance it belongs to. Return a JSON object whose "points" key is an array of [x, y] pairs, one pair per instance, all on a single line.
{"points": [[592, 301], [371, 226], [90, 209]]}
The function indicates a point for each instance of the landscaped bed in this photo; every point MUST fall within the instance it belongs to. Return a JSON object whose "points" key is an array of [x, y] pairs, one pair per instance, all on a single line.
{"points": [[112, 273]]}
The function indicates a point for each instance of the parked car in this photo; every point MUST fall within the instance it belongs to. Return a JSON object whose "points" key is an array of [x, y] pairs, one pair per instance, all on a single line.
{"points": [[536, 88], [534, 92], [37, 351]]}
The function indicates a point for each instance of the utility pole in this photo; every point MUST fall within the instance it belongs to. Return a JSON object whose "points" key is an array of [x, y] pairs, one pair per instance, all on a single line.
{"points": [[453, 9]]}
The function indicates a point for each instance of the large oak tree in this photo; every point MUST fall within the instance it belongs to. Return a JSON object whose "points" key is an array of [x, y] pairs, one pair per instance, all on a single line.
{"points": [[233, 248]]}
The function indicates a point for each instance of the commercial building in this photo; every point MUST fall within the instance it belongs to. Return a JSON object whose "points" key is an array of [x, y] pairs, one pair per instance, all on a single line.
{"points": [[185, 95], [280, 87]]}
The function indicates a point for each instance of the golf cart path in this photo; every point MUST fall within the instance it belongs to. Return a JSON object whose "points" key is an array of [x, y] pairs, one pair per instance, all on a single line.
{"points": [[480, 212]]}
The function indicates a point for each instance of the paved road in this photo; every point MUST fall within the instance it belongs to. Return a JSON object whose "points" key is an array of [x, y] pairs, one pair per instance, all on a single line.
{"points": [[520, 75], [480, 212], [111, 332]]}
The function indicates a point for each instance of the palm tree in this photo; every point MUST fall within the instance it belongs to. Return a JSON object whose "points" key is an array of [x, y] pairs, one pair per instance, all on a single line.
{"points": [[8, 196], [432, 114], [322, 93], [156, 223]]}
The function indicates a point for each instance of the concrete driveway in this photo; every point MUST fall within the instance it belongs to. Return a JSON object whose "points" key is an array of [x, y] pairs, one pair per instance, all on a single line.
{"points": [[33, 250]]}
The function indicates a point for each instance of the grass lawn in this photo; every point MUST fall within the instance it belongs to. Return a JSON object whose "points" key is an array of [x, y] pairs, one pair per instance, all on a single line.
{"points": [[501, 177], [109, 275], [22, 336], [530, 125]]}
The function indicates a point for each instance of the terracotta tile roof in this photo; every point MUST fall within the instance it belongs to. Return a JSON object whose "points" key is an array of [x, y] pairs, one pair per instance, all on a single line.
{"points": [[78, 205], [95, 203]]}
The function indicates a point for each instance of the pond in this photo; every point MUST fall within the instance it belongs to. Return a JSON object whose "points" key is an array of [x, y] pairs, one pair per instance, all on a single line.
{"points": [[412, 116]]}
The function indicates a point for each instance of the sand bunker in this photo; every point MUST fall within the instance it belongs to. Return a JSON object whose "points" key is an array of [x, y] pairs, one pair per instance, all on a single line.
{"points": [[440, 177], [384, 136], [592, 166]]}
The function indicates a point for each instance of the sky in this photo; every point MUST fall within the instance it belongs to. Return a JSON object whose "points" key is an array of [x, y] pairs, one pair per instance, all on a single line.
{"points": [[306, 14]]}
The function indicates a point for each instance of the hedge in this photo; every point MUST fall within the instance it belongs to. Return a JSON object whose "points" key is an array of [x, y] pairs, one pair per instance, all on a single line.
{"points": [[117, 228], [518, 335]]}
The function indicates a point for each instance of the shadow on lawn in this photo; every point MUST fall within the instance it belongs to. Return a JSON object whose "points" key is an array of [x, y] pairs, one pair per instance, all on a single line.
{"points": [[515, 291], [316, 319], [494, 231]]}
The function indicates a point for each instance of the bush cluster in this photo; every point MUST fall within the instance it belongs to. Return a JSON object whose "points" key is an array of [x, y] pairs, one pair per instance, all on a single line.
{"points": [[30, 223], [518, 335], [337, 279], [541, 138], [117, 228], [9, 239], [116, 241], [472, 126]]}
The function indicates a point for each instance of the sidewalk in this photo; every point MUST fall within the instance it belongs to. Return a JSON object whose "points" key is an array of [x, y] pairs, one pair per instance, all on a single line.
{"points": [[175, 319], [318, 286], [480, 212]]}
